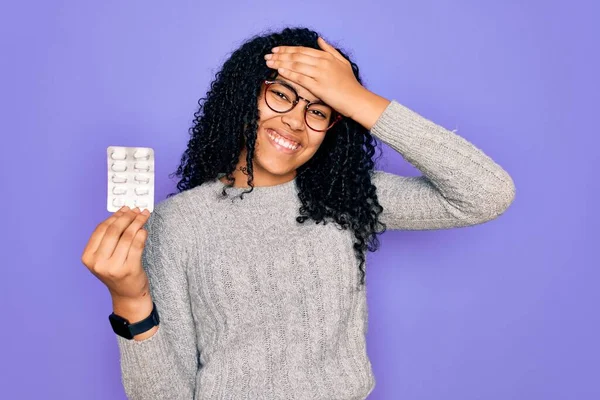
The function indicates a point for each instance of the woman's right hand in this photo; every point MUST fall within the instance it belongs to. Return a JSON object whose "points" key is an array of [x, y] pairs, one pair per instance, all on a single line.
{"points": [[114, 254]]}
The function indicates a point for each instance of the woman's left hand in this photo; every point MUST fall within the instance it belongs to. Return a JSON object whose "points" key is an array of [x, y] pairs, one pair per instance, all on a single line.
{"points": [[325, 73]]}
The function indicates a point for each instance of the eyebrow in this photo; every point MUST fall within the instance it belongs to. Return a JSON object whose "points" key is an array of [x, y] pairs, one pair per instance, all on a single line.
{"points": [[296, 89]]}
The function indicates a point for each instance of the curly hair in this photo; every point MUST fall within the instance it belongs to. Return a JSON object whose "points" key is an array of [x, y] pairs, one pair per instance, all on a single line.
{"points": [[335, 184]]}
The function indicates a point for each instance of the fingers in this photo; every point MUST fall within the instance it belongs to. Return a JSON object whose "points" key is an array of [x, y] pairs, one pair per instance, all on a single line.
{"points": [[137, 245], [98, 234], [128, 237], [308, 51], [301, 68], [113, 234], [297, 77], [296, 56], [327, 52]]}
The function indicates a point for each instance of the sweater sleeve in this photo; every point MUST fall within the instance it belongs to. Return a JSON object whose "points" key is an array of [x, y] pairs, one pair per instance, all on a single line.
{"points": [[164, 365], [460, 185]]}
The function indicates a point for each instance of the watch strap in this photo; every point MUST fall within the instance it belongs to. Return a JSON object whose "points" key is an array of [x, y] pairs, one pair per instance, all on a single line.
{"points": [[123, 328], [146, 324]]}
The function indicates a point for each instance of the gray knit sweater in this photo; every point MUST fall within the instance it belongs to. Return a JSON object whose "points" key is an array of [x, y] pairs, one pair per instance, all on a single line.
{"points": [[255, 305]]}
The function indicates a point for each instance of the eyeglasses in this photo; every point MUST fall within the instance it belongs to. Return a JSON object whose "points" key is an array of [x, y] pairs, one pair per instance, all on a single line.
{"points": [[281, 98]]}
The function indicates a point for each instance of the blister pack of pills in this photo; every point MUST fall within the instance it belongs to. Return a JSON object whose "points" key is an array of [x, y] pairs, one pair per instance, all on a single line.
{"points": [[130, 178]]}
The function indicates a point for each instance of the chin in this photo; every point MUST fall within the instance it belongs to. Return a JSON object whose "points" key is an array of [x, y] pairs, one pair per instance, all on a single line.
{"points": [[271, 160], [276, 167]]}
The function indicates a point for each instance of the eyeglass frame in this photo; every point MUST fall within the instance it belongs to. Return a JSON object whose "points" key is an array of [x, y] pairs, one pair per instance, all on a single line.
{"points": [[268, 83]]}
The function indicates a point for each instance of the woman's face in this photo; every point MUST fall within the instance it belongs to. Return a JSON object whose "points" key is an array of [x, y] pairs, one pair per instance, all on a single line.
{"points": [[277, 162]]}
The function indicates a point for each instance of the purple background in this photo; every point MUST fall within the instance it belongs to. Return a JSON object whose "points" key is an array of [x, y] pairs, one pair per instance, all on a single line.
{"points": [[503, 310]]}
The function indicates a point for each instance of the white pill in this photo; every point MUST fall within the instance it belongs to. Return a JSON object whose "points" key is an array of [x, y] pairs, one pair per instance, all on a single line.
{"points": [[141, 178], [141, 166], [140, 191], [141, 154], [141, 202], [118, 154], [116, 178], [119, 166], [119, 190]]}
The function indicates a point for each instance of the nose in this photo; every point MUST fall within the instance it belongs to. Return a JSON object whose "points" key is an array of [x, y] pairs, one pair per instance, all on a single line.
{"points": [[295, 117]]}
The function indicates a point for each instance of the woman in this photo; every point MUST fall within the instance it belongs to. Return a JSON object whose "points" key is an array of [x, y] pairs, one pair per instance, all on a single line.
{"points": [[256, 265]]}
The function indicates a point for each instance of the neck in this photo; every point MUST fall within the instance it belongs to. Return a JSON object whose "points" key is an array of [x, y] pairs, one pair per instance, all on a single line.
{"points": [[261, 176]]}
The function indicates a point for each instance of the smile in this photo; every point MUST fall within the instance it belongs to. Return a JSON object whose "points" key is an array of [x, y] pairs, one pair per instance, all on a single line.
{"points": [[282, 144]]}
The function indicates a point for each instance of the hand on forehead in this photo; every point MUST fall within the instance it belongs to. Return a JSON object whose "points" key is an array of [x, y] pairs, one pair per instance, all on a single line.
{"points": [[319, 74]]}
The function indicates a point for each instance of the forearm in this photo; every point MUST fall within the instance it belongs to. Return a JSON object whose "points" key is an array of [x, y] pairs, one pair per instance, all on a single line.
{"points": [[460, 174], [368, 107], [161, 363], [151, 366]]}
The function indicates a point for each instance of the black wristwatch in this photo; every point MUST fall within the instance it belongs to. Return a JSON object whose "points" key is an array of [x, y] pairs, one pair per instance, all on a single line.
{"points": [[123, 328]]}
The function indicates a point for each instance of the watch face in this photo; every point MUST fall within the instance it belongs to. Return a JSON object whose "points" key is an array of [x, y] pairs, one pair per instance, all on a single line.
{"points": [[120, 326]]}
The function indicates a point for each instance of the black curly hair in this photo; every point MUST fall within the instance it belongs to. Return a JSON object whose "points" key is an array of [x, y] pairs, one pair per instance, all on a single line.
{"points": [[335, 184]]}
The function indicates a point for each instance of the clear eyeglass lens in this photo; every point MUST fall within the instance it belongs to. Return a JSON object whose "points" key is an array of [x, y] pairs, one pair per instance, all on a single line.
{"points": [[281, 98]]}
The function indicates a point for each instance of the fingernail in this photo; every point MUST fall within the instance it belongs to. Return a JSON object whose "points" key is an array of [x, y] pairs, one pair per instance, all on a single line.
{"points": [[274, 49]]}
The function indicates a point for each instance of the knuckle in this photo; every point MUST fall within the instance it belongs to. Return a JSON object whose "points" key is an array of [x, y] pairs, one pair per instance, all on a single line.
{"points": [[113, 230], [117, 273], [140, 239], [101, 226], [141, 217], [128, 234], [98, 268]]}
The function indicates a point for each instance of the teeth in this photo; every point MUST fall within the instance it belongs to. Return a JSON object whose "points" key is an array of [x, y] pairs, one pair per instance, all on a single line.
{"points": [[283, 142]]}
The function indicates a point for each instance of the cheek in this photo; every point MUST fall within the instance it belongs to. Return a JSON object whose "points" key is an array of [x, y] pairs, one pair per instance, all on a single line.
{"points": [[264, 112], [267, 116], [315, 140]]}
